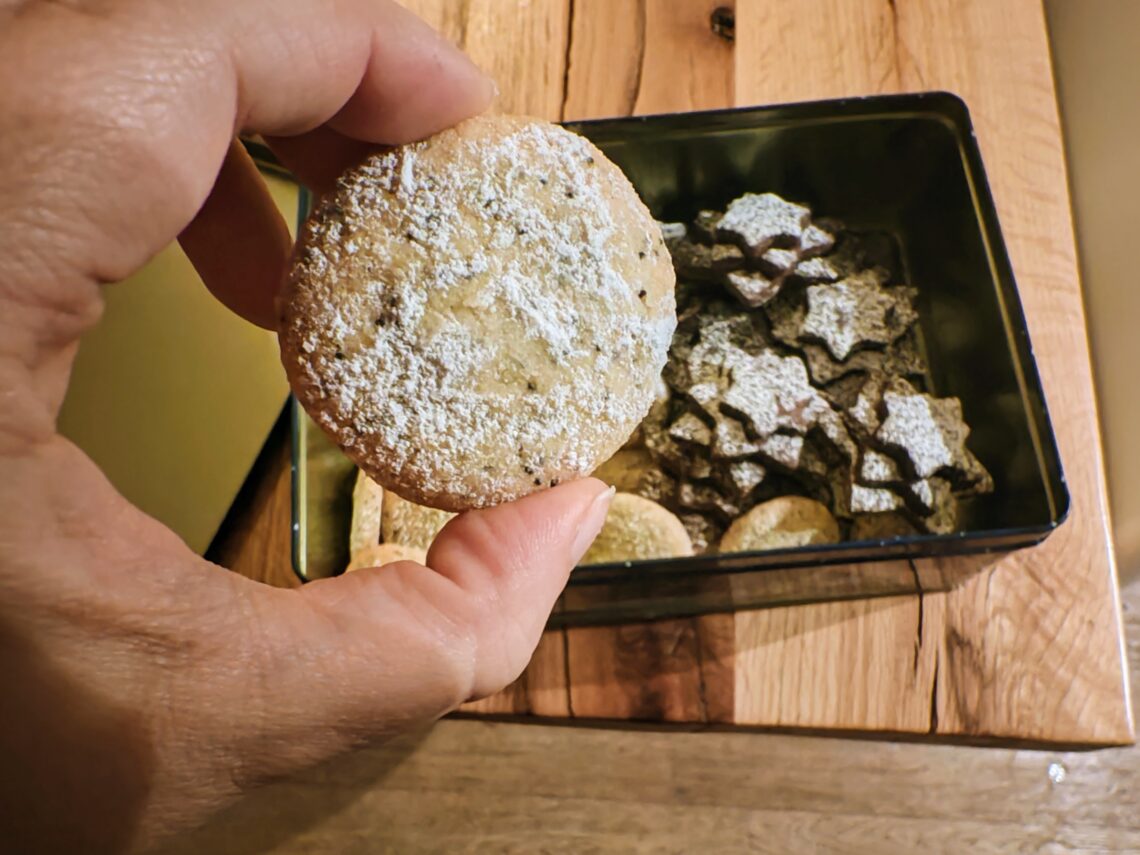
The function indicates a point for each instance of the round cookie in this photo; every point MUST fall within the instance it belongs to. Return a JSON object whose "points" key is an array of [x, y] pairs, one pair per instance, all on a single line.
{"points": [[881, 526], [410, 524], [627, 469], [633, 470], [636, 529], [385, 553], [656, 410], [367, 502], [781, 523], [479, 315]]}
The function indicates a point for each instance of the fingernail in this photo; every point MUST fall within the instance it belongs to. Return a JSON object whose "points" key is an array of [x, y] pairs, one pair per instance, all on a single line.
{"points": [[490, 90], [488, 84], [593, 518]]}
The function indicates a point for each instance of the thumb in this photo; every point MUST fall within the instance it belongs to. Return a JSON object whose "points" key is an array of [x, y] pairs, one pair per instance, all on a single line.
{"points": [[511, 564], [364, 655]]}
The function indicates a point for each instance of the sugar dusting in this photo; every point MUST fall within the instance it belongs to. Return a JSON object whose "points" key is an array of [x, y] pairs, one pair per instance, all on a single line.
{"points": [[482, 321], [759, 219]]}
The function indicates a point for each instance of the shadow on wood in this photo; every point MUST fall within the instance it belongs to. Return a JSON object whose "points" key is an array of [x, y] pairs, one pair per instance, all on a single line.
{"points": [[284, 810]]}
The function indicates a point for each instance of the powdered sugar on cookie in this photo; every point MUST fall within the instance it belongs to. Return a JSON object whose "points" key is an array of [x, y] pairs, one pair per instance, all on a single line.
{"points": [[479, 315]]}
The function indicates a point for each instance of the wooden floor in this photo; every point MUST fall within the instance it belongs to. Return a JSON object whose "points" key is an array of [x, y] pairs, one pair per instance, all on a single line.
{"points": [[480, 787]]}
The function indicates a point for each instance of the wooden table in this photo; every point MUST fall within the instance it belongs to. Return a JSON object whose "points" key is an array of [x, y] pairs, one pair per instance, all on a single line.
{"points": [[1029, 651]]}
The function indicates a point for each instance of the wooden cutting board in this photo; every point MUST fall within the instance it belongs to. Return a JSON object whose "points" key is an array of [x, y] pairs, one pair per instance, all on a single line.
{"points": [[1028, 650]]}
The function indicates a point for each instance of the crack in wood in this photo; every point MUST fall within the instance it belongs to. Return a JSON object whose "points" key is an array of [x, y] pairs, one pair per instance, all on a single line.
{"points": [[965, 664], [934, 697], [638, 58], [893, 68], [900, 52], [702, 691], [464, 20], [921, 594], [566, 671], [523, 689], [678, 638], [566, 88]]}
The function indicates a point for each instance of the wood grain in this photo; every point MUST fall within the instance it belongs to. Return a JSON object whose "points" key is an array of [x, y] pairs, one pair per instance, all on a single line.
{"points": [[477, 787], [853, 665], [1063, 595], [623, 59], [542, 689], [521, 45], [637, 57], [254, 538], [814, 49], [1029, 649]]}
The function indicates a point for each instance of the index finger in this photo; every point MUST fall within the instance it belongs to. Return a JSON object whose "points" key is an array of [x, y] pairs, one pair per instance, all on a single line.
{"points": [[117, 140]]}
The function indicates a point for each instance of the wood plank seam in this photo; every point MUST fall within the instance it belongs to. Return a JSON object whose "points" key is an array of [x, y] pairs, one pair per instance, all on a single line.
{"points": [[566, 665], [921, 594], [702, 689], [567, 58], [638, 58], [463, 20]]}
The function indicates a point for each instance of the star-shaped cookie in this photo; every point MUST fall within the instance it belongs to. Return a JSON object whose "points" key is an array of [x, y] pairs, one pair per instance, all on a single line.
{"points": [[672, 232], [731, 442], [770, 393], [929, 430], [704, 226], [706, 263], [753, 288], [818, 238], [873, 500], [706, 497], [745, 476], [704, 531], [901, 357], [856, 312], [759, 221], [688, 428]]}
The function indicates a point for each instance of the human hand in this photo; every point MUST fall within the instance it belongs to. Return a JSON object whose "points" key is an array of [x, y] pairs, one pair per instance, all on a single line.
{"points": [[143, 686]]}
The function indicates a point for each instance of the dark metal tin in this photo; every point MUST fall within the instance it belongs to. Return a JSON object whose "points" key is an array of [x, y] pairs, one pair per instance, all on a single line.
{"points": [[907, 164]]}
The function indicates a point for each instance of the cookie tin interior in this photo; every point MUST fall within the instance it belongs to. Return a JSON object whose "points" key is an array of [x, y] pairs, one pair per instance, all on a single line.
{"points": [[908, 165]]}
